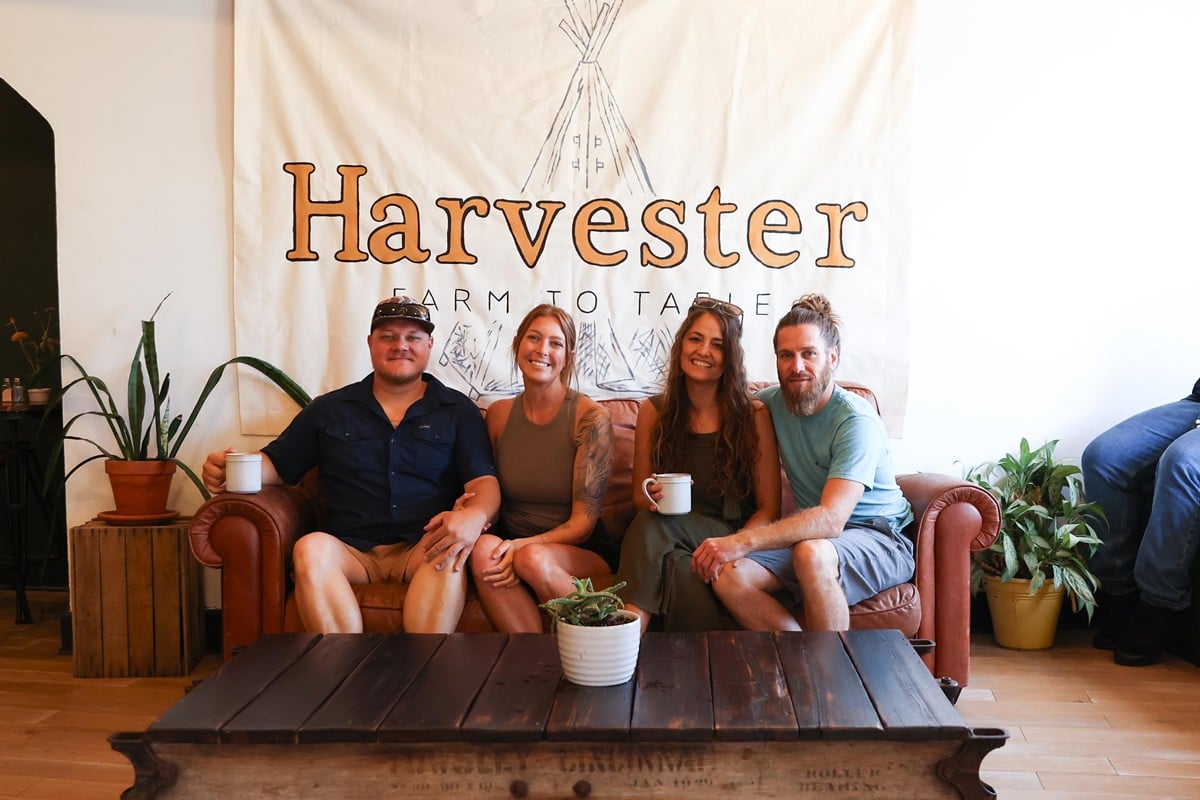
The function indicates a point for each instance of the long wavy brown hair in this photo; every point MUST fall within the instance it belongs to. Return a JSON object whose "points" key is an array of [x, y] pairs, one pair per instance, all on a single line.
{"points": [[737, 440]]}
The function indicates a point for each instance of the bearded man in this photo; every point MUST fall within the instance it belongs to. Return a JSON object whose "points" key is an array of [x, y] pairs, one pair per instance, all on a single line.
{"points": [[845, 542]]}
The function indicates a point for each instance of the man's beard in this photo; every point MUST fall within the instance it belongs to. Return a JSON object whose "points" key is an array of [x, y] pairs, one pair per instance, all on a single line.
{"points": [[804, 402], [392, 379]]}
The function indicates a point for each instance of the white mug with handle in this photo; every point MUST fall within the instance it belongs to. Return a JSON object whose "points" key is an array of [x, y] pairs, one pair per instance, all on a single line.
{"points": [[677, 492], [243, 472]]}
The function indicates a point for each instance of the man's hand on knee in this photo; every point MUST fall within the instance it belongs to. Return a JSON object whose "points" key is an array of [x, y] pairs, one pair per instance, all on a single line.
{"points": [[450, 537], [712, 554]]}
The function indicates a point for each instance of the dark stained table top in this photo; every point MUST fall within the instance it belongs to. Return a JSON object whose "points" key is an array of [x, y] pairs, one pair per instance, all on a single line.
{"points": [[717, 686]]}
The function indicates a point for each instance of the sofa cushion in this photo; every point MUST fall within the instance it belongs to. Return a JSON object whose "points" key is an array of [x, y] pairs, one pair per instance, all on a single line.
{"points": [[382, 604], [898, 607], [382, 607]]}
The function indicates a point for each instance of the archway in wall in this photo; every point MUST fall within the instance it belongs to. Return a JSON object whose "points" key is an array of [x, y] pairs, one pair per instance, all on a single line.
{"points": [[29, 297]]}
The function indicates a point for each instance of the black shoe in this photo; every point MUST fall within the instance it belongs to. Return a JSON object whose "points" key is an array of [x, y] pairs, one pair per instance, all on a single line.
{"points": [[1142, 645], [1114, 612]]}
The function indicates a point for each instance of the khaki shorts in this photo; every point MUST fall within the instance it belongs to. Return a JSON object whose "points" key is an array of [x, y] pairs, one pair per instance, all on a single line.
{"points": [[387, 563]]}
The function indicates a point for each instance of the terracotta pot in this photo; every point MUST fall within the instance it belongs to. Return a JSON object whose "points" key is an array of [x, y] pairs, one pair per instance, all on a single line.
{"points": [[140, 488], [39, 396]]}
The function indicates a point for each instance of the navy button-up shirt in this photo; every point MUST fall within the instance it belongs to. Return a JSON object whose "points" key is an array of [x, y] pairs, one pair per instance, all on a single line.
{"points": [[381, 484]]}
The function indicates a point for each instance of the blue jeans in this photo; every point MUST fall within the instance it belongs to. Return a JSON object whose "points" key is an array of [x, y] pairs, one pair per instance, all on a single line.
{"points": [[1145, 474]]}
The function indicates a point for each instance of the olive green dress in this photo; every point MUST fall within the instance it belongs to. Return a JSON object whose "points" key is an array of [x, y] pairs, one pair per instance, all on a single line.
{"points": [[656, 552]]}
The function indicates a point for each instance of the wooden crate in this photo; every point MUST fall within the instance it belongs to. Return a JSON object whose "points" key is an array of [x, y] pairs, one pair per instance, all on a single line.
{"points": [[136, 600], [721, 715]]}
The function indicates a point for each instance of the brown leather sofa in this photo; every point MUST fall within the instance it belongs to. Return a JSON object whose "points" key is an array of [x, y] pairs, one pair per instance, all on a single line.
{"points": [[250, 537]]}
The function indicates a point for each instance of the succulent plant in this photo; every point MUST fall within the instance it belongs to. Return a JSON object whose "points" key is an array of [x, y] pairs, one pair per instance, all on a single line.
{"points": [[587, 606]]}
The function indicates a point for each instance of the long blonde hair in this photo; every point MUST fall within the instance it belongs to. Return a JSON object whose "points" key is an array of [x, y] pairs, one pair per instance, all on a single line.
{"points": [[568, 328]]}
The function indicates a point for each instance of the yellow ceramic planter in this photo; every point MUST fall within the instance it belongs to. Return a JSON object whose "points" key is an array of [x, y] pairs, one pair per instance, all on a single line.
{"points": [[1022, 621]]}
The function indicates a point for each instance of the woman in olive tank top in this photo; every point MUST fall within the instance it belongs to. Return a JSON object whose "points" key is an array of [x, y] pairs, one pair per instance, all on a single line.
{"points": [[704, 423], [554, 455]]}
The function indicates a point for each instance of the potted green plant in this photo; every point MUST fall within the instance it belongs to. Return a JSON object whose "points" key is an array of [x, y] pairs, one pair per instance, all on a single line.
{"points": [[1042, 551], [146, 436], [597, 638]]}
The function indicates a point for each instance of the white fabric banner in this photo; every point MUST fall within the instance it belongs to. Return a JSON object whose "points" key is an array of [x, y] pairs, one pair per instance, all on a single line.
{"points": [[614, 158]]}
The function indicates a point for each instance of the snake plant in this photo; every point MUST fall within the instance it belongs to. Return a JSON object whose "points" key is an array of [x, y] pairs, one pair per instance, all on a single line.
{"points": [[147, 431]]}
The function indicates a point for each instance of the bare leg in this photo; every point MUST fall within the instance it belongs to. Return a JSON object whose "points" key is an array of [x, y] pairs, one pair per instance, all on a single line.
{"points": [[744, 587], [510, 608], [435, 599], [816, 565], [549, 568], [324, 570]]}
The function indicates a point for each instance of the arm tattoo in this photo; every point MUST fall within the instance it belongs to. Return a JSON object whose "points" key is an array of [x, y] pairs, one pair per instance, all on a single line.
{"points": [[594, 468]]}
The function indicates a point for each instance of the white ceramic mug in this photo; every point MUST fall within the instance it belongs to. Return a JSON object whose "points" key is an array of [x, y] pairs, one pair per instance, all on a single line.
{"points": [[243, 472], [677, 492]]}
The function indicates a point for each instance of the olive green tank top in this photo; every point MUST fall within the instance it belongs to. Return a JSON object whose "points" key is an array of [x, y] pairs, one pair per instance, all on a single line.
{"points": [[536, 466], [701, 464]]}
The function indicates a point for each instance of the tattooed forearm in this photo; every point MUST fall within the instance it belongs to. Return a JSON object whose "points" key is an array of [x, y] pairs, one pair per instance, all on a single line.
{"points": [[594, 461]]}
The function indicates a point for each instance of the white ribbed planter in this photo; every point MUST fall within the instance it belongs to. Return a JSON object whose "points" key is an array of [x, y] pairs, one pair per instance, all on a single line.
{"points": [[603, 655]]}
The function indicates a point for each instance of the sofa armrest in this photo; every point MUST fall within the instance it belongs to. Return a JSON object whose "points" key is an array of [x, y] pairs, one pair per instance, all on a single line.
{"points": [[249, 537], [952, 518], [930, 494]]}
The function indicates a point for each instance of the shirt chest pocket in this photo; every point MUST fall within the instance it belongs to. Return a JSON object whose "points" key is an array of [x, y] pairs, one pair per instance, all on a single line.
{"points": [[350, 449], [433, 447]]}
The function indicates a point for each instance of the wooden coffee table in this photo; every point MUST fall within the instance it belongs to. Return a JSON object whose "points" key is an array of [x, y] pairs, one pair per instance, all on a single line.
{"points": [[723, 714]]}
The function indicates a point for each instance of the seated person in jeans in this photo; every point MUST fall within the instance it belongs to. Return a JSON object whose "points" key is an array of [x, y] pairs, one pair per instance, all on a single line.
{"points": [[395, 451], [845, 543], [1145, 474]]}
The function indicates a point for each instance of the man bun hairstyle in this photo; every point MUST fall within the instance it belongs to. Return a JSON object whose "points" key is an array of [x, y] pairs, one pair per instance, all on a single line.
{"points": [[813, 309]]}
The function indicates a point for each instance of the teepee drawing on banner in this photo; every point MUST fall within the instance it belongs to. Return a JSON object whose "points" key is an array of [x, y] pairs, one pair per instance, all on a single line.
{"points": [[589, 137]]}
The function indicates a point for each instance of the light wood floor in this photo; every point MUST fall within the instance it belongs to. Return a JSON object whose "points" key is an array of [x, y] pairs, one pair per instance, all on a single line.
{"points": [[1080, 726]]}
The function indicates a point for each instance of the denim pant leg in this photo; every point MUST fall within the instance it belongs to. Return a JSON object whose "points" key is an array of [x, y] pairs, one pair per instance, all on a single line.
{"points": [[1164, 561], [1118, 472]]}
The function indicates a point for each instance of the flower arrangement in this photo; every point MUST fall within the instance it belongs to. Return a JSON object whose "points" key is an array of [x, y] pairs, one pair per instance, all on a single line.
{"points": [[40, 348]]}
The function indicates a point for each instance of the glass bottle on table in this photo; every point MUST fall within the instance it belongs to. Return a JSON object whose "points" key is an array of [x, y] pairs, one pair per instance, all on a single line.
{"points": [[20, 399], [6, 394]]}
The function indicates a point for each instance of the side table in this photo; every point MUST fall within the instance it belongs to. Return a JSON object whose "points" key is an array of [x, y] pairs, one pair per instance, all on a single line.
{"points": [[19, 484], [136, 600]]}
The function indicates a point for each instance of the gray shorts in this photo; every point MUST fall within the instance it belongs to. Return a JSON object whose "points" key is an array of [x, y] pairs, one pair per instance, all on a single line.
{"points": [[871, 557]]}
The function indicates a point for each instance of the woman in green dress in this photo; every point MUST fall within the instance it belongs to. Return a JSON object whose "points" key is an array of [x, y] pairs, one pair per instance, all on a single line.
{"points": [[704, 423]]}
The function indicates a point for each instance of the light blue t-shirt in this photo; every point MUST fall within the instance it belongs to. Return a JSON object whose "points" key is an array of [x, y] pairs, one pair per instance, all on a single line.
{"points": [[845, 439]]}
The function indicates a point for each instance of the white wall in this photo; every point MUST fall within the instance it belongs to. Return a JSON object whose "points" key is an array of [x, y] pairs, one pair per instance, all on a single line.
{"points": [[1054, 261], [1055, 174], [139, 94]]}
